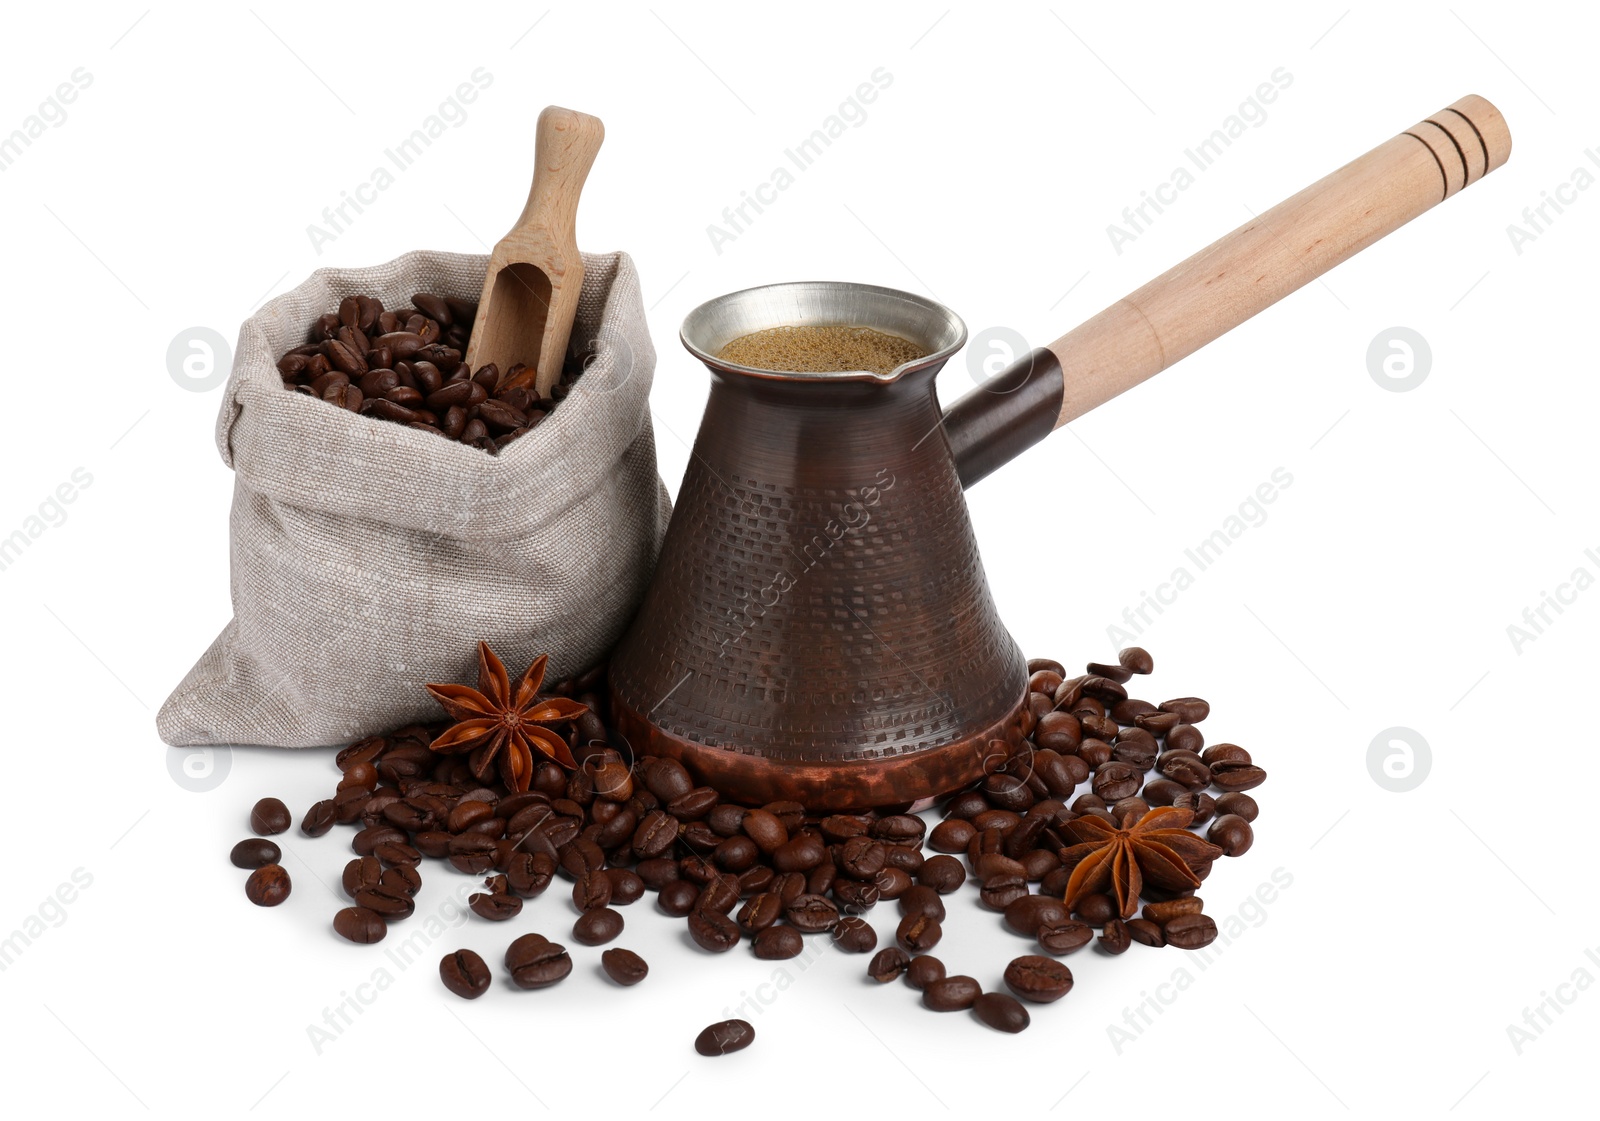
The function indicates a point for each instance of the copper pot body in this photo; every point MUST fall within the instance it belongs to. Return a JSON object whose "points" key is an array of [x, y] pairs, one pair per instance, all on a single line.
{"points": [[819, 627]]}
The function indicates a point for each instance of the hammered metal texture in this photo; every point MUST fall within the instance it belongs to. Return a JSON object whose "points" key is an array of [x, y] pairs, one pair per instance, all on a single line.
{"points": [[819, 597]]}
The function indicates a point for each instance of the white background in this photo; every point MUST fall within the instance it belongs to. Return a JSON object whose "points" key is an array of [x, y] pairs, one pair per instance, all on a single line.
{"points": [[1377, 593]]}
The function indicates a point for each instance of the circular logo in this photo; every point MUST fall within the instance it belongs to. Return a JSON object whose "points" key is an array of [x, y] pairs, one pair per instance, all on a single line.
{"points": [[199, 769], [1399, 759], [994, 350], [1399, 358], [612, 353], [199, 359]]}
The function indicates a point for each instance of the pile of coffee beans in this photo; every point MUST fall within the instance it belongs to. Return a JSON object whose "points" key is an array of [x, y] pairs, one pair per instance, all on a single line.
{"points": [[406, 366], [772, 875], [268, 884]]}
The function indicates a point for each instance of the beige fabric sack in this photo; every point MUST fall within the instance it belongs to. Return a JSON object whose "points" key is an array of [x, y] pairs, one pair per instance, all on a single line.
{"points": [[369, 558]]}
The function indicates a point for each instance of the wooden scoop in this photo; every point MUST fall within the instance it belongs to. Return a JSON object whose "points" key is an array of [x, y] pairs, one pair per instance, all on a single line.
{"points": [[530, 293]]}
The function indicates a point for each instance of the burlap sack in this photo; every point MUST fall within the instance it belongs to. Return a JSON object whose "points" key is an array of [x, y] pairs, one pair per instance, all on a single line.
{"points": [[369, 558]]}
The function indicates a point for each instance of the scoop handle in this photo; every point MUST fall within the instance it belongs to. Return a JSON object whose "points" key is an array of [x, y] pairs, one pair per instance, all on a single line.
{"points": [[1226, 283]]}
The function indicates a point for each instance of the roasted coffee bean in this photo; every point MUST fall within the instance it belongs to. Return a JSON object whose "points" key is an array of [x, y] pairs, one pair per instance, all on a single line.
{"points": [[799, 854], [812, 914], [764, 828], [1232, 834], [1157, 722], [319, 818], [951, 994], [778, 943], [656, 872], [888, 964], [855, 935], [923, 971], [1238, 804], [1114, 939], [839, 828], [943, 874], [922, 900], [694, 805], [358, 924], [667, 779], [713, 931], [1094, 752], [1026, 914], [656, 833], [580, 856], [1096, 908], [720, 893], [737, 853], [495, 907], [1185, 768], [1131, 807], [726, 819], [1001, 1012], [966, 806], [1064, 937], [752, 881], [529, 874], [1002, 889], [1135, 659], [892, 883], [1190, 932], [591, 891], [1038, 978], [626, 886], [597, 927], [760, 911], [997, 821], [270, 816], [900, 829], [465, 974], [862, 858], [254, 852], [362, 874], [1006, 792], [1145, 932], [1058, 731], [1119, 673], [677, 898], [1038, 864], [472, 853], [1201, 805], [624, 967], [1114, 780], [535, 962], [366, 842], [1165, 911], [1235, 777], [857, 895], [725, 1038], [917, 934], [268, 885], [1163, 791], [1128, 711]]}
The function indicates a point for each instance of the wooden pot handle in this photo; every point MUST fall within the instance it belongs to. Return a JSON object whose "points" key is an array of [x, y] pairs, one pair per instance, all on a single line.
{"points": [[1229, 281]]}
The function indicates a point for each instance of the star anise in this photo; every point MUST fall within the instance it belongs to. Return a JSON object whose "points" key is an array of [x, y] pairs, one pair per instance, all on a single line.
{"points": [[1157, 848], [497, 726]]}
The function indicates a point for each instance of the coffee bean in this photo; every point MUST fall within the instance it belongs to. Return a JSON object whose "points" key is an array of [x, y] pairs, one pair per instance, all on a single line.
{"points": [[267, 886], [855, 895], [253, 852], [626, 886], [812, 914], [951, 994], [1201, 805], [918, 934], [862, 858], [892, 883], [764, 828], [855, 935], [725, 1038], [319, 818], [1235, 777], [1001, 1012], [888, 964], [760, 911], [1135, 660], [922, 900], [269, 816], [494, 907], [1190, 932], [943, 874], [1064, 937], [713, 931], [720, 894], [1239, 805], [656, 872], [678, 897], [1114, 939], [591, 891], [366, 842], [535, 962], [1145, 932], [403, 879], [799, 854], [1002, 889], [1232, 834], [597, 927], [357, 924], [465, 974], [624, 967], [529, 874], [924, 971], [900, 829], [396, 854], [1163, 791], [778, 943], [1191, 709], [1027, 913], [1038, 978]]}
